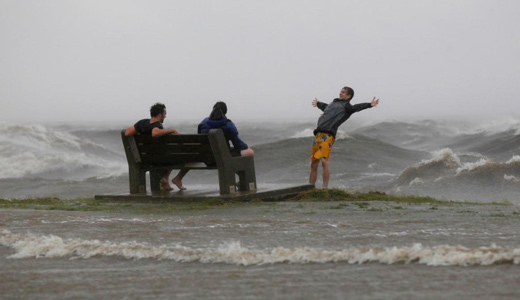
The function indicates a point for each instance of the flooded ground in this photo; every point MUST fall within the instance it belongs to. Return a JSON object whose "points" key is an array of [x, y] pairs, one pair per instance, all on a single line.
{"points": [[299, 250]]}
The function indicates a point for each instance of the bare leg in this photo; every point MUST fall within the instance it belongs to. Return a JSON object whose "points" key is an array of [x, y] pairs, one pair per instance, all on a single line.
{"points": [[164, 181], [313, 176], [326, 173], [177, 180], [247, 152]]}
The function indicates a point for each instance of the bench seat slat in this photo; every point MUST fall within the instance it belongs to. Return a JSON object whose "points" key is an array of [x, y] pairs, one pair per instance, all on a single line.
{"points": [[175, 158], [189, 165]]}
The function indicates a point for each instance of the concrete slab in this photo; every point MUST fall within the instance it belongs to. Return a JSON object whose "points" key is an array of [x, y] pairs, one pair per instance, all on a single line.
{"points": [[277, 193]]}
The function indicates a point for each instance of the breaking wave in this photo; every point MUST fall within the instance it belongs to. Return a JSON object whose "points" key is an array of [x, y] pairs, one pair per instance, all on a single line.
{"points": [[51, 246], [35, 150], [446, 163], [308, 132], [446, 175]]}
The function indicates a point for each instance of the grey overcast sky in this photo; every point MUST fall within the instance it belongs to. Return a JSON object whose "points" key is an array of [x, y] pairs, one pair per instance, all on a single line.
{"points": [[75, 60]]}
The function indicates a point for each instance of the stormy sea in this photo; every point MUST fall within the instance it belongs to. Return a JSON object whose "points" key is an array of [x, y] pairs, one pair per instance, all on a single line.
{"points": [[278, 250], [446, 160]]}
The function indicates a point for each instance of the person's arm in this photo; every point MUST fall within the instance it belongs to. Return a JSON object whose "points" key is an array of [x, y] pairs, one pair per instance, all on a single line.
{"points": [[361, 106], [158, 132], [319, 104], [235, 140], [130, 131]]}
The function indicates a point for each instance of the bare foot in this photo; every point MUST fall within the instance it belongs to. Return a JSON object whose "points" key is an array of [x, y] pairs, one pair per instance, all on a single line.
{"points": [[165, 185], [178, 183]]}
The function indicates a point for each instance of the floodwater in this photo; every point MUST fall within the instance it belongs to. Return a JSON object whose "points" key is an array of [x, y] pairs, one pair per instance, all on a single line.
{"points": [[285, 250]]}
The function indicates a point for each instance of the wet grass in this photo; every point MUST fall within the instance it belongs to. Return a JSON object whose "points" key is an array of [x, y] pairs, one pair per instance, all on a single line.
{"points": [[320, 195], [361, 200]]}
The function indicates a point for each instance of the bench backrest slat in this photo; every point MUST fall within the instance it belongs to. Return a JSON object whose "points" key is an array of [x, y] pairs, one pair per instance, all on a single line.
{"points": [[177, 138], [175, 148]]}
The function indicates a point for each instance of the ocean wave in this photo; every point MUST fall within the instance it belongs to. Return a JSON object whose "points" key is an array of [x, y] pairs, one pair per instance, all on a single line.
{"points": [[514, 160], [498, 139], [445, 156], [498, 126], [56, 165], [488, 166], [511, 178], [308, 132], [33, 150], [445, 176], [446, 162], [442, 163], [475, 165], [51, 246]]}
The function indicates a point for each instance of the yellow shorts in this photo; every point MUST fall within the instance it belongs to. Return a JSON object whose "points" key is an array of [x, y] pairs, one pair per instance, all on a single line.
{"points": [[321, 147]]}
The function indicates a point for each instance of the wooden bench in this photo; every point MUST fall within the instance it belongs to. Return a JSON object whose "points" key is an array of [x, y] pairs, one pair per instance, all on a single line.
{"points": [[191, 151]]}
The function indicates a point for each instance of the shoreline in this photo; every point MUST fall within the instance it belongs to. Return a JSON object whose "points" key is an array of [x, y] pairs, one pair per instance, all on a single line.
{"points": [[333, 195]]}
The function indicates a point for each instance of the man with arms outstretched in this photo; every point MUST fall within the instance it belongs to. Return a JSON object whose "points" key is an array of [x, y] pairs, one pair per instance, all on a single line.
{"points": [[155, 128], [334, 114]]}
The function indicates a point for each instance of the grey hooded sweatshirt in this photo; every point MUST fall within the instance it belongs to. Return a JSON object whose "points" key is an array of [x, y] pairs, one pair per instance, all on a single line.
{"points": [[335, 113]]}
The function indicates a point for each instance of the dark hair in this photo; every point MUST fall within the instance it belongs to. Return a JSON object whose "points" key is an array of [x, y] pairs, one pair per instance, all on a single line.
{"points": [[222, 106], [350, 91], [219, 111], [157, 109]]}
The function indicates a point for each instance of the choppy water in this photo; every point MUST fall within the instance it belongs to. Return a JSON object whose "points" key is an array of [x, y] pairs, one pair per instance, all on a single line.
{"points": [[451, 160], [280, 250]]}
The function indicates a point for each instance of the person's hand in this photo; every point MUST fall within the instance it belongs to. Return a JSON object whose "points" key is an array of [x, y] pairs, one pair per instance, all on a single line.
{"points": [[315, 102], [374, 102], [174, 131]]}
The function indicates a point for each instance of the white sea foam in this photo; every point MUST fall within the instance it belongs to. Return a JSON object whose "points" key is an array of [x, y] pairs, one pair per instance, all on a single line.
{"points": [[511, 178], [416, 181], [30, 150], [378, 174], [491, 127], [483, 162], [304, 133], [342, 135], [514, 160], [23, 164], [468, 167], [502, 125], [445, 156], [27, 246], [37, 136], [308, 132]]}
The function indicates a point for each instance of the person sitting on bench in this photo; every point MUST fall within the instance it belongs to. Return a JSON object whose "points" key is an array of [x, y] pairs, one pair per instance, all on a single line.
{"points": [[217, 119], [155, 128]]}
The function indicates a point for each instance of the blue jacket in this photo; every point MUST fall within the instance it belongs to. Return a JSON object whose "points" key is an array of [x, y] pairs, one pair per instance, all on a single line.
{"points": [[229, 129]]}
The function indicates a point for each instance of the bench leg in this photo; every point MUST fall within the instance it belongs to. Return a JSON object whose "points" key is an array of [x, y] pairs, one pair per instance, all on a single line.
{"points": [[247, 174], [137, 180], [227, 182], [156, 175], [155, 178], [247, 181]]}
